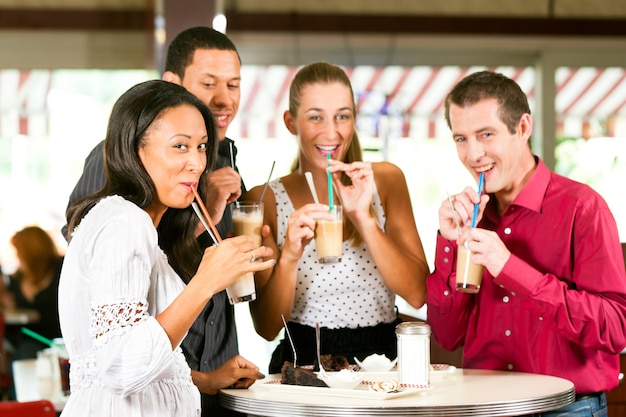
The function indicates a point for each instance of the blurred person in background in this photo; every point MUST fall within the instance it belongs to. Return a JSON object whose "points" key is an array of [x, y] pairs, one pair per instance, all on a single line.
{"points": [[33, 286]]}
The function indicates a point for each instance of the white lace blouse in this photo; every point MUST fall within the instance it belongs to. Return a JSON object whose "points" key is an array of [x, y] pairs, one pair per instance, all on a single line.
{"points": [[115, 280]]}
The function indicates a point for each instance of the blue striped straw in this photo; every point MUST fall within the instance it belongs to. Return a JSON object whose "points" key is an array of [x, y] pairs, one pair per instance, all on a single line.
{"points": [[481, 179]]}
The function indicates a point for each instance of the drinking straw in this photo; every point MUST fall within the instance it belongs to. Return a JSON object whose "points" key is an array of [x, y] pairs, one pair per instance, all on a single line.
{"points": [[38, 337], [195, 207], [309, 180], [232, 156], [330, 184], [42, 339], [481, 179], [267, 182], [293, 347], [216, 236]]}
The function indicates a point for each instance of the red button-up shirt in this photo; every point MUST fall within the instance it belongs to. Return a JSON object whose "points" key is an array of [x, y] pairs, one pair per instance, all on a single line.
{"points": [[559, 305]]}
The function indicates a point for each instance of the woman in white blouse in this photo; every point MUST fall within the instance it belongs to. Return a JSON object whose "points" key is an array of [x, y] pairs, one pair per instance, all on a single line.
{"points": [[123, 307]]}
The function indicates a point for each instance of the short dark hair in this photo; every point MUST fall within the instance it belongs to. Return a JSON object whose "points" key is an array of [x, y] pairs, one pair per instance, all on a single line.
{"points": [[181, 50], [512, 101], [132, 115]]}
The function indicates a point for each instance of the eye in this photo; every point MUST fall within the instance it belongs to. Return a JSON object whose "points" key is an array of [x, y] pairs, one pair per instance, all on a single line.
{"points": [[181, 146], [459, 139], [344, 116], [233, 86], [203, 147], [315, 117]]}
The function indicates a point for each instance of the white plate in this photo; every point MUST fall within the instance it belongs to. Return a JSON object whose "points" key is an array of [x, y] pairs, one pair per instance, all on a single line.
{"points": [[361, 391], [442, 369]]}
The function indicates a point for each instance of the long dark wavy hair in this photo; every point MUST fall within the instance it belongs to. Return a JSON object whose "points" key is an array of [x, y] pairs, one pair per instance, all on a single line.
{"points": [[132, 115]]}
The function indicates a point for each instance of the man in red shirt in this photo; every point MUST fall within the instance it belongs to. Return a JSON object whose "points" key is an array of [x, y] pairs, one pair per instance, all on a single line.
{"points": [[553, 293]]}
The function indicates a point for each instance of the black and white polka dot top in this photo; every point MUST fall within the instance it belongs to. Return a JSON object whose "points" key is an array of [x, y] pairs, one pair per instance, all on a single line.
{"points": [[349, 294]]}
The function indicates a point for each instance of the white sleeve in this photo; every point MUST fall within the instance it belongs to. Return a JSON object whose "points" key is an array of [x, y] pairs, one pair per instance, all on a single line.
{"points": [[132, 349]]}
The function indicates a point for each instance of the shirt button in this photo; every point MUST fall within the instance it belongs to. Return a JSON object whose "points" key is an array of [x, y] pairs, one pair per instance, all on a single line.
{"points": [[446, 260], [507, 333], [510, 366], [212, 322], [512, 293], [505, 298], [507, 231], [446, 293], [540, 318], [446, 249]]}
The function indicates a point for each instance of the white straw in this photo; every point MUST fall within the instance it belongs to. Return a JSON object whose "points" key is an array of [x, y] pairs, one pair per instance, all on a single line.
{"points": [[293, 347], [195, 207], [309, 180], [267, 182]]}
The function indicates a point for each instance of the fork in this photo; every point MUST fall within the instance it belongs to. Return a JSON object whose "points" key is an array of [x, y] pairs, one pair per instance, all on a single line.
{"points": [[317, 343]]}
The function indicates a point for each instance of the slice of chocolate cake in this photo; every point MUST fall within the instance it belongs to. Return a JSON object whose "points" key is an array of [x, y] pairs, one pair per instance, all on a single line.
{"points": [[291, 375]]}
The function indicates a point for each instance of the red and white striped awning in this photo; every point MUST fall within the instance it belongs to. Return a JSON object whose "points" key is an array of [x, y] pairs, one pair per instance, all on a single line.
{"points": [[412, 98], [408, 101]]}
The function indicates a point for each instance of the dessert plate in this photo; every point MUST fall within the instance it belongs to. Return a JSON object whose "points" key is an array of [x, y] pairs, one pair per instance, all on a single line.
{"points": [[361, 391]]}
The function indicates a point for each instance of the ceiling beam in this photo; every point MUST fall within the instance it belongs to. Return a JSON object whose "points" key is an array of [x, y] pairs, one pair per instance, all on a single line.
{"points": [[76, 19], [367, 23]]}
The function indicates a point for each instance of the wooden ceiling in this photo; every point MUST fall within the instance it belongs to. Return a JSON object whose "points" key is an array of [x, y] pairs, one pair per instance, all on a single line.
{"points": [[587, 18]]}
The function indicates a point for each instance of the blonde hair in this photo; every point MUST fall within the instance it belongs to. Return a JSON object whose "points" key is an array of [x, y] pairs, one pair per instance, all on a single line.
{"points": [[325, 73]]}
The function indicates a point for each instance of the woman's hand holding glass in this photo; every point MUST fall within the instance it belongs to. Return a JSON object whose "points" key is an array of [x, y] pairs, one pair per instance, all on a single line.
{"points": [[221, 265], [301, 229]]}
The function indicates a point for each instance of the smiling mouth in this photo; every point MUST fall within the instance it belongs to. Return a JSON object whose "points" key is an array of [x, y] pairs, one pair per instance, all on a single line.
{"points": [[328, 149], [484, 168]]}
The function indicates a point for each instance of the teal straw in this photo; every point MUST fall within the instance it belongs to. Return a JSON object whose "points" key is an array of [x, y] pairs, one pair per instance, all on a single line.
{"points": [[38, 337], [481, 179], [330, 184]]}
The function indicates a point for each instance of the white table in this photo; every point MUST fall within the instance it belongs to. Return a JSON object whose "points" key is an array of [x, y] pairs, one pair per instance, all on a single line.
{"points": [[460, 393]]}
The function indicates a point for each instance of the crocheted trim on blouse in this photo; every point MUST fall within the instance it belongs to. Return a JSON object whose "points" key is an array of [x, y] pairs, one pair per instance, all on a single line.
{"points": [[109, 320]]}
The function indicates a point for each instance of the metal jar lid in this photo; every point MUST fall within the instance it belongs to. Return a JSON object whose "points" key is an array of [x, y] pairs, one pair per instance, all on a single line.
{"points": [[413, 327]]}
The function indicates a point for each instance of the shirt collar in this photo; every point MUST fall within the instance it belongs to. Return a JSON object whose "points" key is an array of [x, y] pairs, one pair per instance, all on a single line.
{"points": [[531, 196]]}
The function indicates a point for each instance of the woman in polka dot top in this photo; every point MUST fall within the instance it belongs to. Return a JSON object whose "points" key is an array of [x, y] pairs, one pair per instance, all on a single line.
{"points": [[352, 300]]}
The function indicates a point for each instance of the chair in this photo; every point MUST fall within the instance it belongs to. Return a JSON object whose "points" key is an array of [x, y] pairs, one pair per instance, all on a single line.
{"points": [[39, 408]]}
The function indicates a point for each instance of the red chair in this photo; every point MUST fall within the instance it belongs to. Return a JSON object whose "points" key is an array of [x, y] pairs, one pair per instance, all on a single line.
{"points": [[39, 408]]}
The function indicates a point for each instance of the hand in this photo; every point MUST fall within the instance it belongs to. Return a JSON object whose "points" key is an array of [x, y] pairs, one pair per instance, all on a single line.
{"points": [[356, 198], [301, 229], [221, 265], [464, 207], [237, 372], [223, 187], [487, 249]]}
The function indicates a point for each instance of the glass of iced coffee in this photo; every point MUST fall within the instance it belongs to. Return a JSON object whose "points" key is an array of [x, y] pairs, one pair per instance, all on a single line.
{"points": [[329, 237], [247, 220], [468, 274]]}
